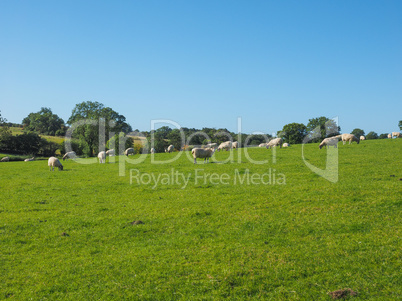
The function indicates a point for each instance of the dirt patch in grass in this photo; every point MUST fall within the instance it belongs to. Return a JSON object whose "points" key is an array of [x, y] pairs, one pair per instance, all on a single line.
{"points": [[342, 294], [137, 222]]}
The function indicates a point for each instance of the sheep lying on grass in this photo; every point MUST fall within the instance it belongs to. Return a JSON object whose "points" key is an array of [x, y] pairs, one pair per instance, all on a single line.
{"points": [[129, 151], [102, 157], [211, 145], [5, 159], [362, 138], [285, 144], [275, 142], [70, 155], [54, 162], [204, 153], [263, 145], [349, 137], [329, 141], [29, 159]]}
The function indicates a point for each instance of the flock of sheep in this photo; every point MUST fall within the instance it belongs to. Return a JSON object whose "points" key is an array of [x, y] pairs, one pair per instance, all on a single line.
{"points": [[208, 150]]}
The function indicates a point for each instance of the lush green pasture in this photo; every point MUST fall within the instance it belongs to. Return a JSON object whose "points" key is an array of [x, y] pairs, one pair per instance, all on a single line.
{"points": [[228, 233]]}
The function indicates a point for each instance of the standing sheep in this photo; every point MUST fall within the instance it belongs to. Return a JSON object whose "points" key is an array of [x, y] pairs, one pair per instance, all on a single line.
{"points": [[235, 145], [5, 159], [275, 142], [129, 151], [225, 145], [110, 152], [170, 148], [389, 136], [54, 162], [205, 153], [153, 151], [349, 137], [102, 157], [396, 134], [362, 138], [329, 141], [69, 155]]}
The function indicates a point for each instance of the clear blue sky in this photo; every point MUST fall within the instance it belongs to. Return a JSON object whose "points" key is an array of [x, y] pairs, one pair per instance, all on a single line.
{"points": [[206, 63]]}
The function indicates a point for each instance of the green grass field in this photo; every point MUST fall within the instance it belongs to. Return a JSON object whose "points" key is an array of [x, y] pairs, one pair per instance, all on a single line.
{"points": [[228, 234]]}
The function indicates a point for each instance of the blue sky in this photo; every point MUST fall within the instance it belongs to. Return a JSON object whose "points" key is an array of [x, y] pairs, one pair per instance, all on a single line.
{"points": [[206, 63]]}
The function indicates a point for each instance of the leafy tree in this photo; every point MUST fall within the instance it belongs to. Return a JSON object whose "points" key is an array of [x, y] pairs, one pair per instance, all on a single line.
{"points": [[322, 127], [175, 138], [372, 135], [294, 133], [114, 143], [44, 122], [358, 132], [383, 136], [5, 134], [88, 117], [400, 125]]}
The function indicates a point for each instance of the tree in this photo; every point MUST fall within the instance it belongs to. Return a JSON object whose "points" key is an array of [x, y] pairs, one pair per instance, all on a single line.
{"points": [[383, 136], [5, 134], [400, 125], [322, 127], [114, 143], [358, 132], [175, 139], [372, 135], [44, 122], [294, 133], [88, 117]]}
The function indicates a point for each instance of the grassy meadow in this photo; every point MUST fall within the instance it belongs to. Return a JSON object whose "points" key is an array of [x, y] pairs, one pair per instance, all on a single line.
{"points": [[237, 230]]}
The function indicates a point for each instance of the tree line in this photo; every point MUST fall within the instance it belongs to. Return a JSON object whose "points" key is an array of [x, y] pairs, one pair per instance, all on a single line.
{"points": [[93, 127]]}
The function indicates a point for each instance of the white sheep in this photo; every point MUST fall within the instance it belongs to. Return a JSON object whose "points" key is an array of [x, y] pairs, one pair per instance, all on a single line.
{"points": [[211, 145], [235, 145], [362, 138], [389, 136], [54, 162], [69, 155], [153, 151], [285, 144], [205, 153], [170, 148], [263, 145], [29, 159], [349, 137], [329, 141], [111, 152], [275, 142], [129, 151], [396, 134], [225, 145], [5, 159], [102, 157]]}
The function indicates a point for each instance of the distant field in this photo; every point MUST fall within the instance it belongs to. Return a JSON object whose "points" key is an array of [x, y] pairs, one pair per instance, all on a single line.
{"points": [[19, 131], [70, 235]]}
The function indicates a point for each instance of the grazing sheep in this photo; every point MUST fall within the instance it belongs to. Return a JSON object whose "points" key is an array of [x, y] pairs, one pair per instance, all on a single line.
{"points": [[69, 155], [275, 142], [110, 152], [54, 162], [102, 157], [285, 144], [170, 148], [235, 144], [205, 153], [30, 159], [329, 141], [129, 151], [389, 136], [211, 145], [225, 145], [396, 134], [5, 159], [350, 138], [153, 151], [362, 138]]}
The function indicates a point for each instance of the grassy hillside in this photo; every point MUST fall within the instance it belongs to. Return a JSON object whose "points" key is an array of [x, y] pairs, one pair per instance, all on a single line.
{"points": [[233, 231]]}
